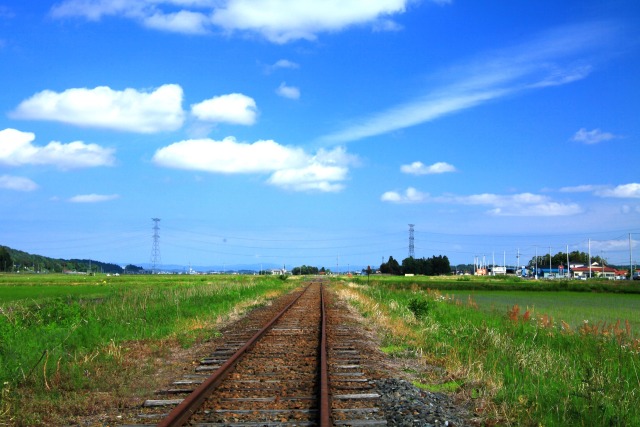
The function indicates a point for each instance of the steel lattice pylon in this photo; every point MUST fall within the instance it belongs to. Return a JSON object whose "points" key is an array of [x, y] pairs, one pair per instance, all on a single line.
{"points": [[155, 249], [411, 248]]}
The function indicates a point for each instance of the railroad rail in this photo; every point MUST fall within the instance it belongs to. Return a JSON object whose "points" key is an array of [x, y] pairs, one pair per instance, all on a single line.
{"points": [[300, 368]]}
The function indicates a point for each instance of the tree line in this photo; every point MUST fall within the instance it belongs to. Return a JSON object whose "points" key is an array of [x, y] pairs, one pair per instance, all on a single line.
{"points": [[13, 260], [433, 266], [575, 257], [307, 269]]}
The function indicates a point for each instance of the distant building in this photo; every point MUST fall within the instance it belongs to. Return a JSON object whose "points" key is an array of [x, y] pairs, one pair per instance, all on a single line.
{"points": [[596, 270]]}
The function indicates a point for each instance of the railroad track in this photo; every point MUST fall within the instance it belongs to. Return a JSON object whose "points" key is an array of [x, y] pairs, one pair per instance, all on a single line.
{"points": [[295, 363]]}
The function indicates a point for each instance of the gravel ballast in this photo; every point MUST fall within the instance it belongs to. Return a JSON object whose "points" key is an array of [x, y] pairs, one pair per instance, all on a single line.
{"points": [[406, 405]]}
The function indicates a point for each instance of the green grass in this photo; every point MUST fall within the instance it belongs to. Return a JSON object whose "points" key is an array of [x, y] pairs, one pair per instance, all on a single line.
{"points": [[494, 283], [573, 307], [61, 335], [520, 373], [446, 387]]}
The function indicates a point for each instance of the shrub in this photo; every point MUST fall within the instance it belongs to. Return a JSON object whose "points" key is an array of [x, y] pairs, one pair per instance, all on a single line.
{"points": [[419, 307]]}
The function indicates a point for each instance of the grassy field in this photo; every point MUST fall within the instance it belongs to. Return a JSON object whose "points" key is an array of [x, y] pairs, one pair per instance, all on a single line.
{"points": [[72, 345], [571, 307], [518, 369]]}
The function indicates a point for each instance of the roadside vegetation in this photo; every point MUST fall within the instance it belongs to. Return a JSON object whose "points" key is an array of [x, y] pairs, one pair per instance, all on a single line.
{"points": [[517, 366], [77, 345]]}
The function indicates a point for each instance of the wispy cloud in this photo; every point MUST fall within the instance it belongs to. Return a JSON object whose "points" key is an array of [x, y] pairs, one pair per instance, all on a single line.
{"points": [[102, 107], [552, 59], [419, 168], [594, 136], [522, 204], [290, 92], [17, 183], [17, 149], [281, 64], [622, 191], [93, 198]]}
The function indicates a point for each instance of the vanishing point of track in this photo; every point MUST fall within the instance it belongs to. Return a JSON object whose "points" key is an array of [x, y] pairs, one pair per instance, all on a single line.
{"points": [[298, 368]]}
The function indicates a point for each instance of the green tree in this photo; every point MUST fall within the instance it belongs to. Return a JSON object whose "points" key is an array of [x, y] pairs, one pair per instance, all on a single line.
{"points": [[411, 266], [575, 257], [6, 263], [390, 267]]}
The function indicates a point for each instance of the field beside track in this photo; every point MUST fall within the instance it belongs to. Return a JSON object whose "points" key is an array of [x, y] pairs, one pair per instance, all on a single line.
{"points": [[518, 367], [75, 345], [574, 308]]}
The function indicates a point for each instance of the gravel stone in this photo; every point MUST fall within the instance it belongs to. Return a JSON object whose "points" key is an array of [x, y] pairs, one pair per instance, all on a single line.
{"points": [[405, 405]]}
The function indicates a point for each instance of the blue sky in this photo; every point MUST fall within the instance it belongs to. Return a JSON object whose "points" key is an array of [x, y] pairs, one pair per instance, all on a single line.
{"points": [[303, 132]]}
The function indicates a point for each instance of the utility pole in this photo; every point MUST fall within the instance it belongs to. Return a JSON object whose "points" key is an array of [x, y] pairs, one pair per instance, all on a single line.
{"points": [[568, 268], [589, 258], [630, 260], [155, 248]]}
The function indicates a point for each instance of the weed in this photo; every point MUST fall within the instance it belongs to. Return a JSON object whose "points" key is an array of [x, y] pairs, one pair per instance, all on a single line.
{"points": [[419, 307]]}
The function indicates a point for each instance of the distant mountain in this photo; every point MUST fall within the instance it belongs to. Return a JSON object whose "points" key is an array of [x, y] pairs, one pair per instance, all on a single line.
{"points": [[24, 261]]}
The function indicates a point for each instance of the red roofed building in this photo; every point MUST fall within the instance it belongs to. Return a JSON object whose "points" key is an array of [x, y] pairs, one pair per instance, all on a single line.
{"points": [[601, 271]]}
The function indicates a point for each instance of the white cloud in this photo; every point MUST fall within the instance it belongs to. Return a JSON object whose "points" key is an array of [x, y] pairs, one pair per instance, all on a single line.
{"points": [[419, 168], [593, 136], [155, 14], [290, 167], [184, 21], [282, 21], [523, 204], [234, 108], [324, 172], [290, 92], [316, 176], [624, 191], [93, 198], [279, 21], [16, 149], [17, 183], [549, 60], [229, 156], [102, 107], [411, 195]]}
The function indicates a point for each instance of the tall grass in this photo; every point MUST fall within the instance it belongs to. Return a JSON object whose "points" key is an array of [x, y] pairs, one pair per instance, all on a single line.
{"points": [[72, 344], [519, 372]]}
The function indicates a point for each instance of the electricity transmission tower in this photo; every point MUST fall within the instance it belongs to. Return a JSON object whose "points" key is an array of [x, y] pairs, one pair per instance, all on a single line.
{"points": [[411, 249], [155, 249]]}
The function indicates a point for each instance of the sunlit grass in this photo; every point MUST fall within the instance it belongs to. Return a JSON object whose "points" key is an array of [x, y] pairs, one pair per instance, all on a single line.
{"points": [[69, 336], [519, 370], [572, 307]]}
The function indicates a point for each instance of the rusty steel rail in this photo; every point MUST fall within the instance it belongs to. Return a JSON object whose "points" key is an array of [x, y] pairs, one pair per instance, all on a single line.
{"points": [[181, 413], [324, 404]]}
